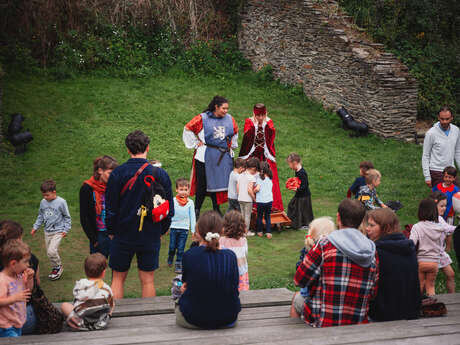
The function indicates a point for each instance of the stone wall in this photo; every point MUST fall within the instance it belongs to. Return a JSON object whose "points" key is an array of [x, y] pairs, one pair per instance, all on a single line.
{"points": [[313, 43]]}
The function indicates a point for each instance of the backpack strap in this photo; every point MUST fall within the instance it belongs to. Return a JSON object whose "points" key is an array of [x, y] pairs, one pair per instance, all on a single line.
{"points": [[133, 179]]}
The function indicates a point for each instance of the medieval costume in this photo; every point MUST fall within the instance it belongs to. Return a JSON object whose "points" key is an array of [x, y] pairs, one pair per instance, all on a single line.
{"points": [[259, 142], [213, 138]]}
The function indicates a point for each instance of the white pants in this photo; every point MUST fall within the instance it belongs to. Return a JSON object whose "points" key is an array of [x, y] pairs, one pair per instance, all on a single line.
{"points": [[246, 210], [52, 241]]}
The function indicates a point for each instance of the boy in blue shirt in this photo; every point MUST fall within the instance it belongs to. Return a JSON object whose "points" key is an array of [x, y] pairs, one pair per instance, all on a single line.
{"points": [[361, 180], [448, 188], [183, 220]]}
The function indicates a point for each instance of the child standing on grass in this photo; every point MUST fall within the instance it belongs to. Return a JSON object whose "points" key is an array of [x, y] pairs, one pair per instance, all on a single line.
{"points": [[245, 190], [183, 221], [428, 236], [445, 262], [300, 209], [238, 168], [368, 194], [16, 284], [234, 239], [55, 217], [264, 199], [449, 189], [361, 180], [93, 299]]}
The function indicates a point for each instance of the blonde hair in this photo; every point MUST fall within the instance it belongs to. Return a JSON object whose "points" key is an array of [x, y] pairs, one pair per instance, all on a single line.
{"points": [[372, 175], [319, 227]]}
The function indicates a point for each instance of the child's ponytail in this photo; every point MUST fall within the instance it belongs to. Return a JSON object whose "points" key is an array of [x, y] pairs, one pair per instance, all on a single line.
{"points": [[265, 170], [210, 226]]}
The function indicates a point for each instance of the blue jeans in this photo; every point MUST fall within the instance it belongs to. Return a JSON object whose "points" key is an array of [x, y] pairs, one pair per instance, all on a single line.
{"points": [[31, 321], [10, 332], [263, 211], [177, 241], [103, 244]]}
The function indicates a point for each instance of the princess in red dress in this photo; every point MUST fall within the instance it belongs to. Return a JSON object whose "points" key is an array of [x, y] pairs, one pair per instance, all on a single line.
{"points": [[259, 142]]}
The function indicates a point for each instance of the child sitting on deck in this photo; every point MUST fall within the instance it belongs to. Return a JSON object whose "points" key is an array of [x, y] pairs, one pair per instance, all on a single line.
{"points": [[16, 283], [361, 180], [368, 194], [319, 229], [93, 300], [300, 209], [234, 239]]}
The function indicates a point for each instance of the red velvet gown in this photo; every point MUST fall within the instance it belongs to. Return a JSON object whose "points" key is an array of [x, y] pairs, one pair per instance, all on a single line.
{"points": [[259, 142]]}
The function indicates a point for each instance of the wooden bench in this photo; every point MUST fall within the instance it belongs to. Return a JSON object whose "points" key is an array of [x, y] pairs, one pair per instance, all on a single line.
{"points": [[263, 319]]}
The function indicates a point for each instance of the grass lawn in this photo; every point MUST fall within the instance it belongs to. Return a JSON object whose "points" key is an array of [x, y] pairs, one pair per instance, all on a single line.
{"points": [[73, 121]]}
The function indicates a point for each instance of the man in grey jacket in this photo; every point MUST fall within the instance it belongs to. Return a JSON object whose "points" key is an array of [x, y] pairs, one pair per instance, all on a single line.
{"points": [[440, 148]]}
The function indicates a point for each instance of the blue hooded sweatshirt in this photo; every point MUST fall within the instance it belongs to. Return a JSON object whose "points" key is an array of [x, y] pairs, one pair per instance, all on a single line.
{"points": [[354, 245]]}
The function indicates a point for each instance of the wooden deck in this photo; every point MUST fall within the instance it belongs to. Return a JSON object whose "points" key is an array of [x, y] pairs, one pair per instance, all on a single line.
{"points": [[264, 319]]}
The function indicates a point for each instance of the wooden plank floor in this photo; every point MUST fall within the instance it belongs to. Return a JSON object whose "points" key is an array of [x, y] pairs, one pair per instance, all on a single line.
{"points": [[263, 320]]}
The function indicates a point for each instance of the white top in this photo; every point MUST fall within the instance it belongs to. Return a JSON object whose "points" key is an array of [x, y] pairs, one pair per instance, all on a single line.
{"points": [[265, 194], [440, 150], [232, 182], [191, 141], [243, 182]]}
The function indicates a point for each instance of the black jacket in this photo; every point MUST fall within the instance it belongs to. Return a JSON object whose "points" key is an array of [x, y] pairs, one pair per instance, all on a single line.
{"points": [[398, 296], [88, 213]]}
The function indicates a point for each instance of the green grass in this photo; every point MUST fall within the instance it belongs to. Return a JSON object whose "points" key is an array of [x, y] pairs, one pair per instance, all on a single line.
{"points": [[73, 121]]}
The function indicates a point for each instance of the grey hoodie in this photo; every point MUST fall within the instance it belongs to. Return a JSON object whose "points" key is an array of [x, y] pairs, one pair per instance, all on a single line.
{"points": [[429, 238], [354, 245], [440, 150]]}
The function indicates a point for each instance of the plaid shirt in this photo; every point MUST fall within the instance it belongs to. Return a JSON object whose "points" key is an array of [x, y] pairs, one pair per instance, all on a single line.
{"points": [[340, 290]]}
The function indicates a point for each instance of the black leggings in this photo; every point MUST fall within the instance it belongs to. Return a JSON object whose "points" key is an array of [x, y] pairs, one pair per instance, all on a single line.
{"points": [[201, 187]]}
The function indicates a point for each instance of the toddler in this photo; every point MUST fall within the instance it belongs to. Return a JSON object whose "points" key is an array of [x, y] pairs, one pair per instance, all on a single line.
{"points": [[368, 194], [54, 215], [264, 199], [428, 235], [300, 210], [183, 221], [245, 190], [93, 299], [16, 284], [319, 228], [444, 264], [234, 239], [361, 180], [238, 168]]}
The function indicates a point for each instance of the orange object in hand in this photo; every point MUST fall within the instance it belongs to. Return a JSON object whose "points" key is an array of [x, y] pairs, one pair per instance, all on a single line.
{"points": [[293, 183]]}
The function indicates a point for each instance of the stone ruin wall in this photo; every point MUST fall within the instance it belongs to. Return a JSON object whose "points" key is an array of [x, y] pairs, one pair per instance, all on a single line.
{"points": [[313, 43]]}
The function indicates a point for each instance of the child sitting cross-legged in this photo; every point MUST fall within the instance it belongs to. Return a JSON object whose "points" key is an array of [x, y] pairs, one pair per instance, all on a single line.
{"points": [[16, 283], [368, 194], [93, 299], [234, 239]]}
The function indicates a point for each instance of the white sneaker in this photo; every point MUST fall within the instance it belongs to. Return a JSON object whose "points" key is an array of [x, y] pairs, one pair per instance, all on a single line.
{"points": [[56, 273], [250, 234]]}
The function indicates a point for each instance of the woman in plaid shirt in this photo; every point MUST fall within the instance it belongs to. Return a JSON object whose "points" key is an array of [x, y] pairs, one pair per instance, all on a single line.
{"points": [[341, 273]]}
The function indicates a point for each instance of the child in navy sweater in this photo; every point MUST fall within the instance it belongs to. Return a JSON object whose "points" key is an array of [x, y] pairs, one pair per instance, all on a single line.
{"points": [[361, 180]]}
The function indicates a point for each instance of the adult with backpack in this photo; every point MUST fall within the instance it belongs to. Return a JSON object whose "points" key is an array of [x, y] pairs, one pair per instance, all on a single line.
{"points": [[139, 207]]}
